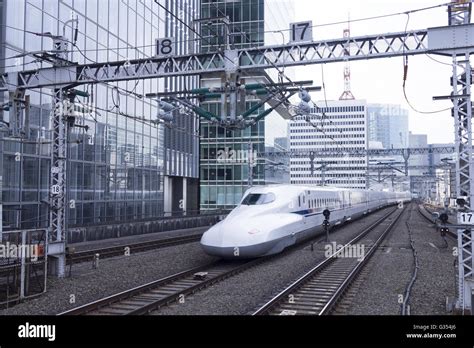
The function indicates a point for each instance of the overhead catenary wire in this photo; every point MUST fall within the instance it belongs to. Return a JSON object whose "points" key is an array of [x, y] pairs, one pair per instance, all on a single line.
{"points": [[250, 32], [405, 77], [117, 106], [324, 24], [271, 92]]}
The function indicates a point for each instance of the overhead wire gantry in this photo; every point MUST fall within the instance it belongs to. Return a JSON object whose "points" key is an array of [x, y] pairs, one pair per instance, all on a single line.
{"points": [[455, 40]]}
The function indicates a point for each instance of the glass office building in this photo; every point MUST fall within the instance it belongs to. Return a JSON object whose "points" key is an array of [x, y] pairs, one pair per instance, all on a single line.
{"points": [[388, 124], [222, 183], [117, 158]]}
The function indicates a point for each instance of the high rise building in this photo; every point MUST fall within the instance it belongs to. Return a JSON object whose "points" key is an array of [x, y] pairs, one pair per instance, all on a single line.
{"points": [[343, 128], [388, 124], [419, 164], [277, 168], [118, 161], [224, 180]]}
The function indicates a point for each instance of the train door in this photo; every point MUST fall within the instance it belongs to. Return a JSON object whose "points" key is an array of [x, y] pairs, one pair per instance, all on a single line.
{"points": [[302, 204]]}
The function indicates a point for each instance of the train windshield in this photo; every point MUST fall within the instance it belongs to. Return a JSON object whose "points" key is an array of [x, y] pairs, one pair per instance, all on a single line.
{"points": [[258, 198]]}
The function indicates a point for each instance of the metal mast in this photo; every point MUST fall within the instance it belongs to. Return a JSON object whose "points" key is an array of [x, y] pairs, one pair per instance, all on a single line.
{"points": [[347, 94], [64, 76], [460, 14]]}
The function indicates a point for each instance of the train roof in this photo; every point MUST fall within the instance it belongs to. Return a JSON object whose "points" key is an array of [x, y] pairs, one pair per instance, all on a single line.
{"points": [[270, 187]]}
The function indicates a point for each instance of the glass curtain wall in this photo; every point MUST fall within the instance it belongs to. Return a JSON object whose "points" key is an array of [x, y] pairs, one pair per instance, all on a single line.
{"points": [[222, 184], [115, 165]]}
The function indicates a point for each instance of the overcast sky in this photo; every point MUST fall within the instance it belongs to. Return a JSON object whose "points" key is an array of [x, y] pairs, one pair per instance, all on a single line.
{"points": [[380, 80]]}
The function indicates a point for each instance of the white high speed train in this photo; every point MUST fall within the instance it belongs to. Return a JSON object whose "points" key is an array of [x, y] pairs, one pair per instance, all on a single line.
{"points": [[271, 218]]}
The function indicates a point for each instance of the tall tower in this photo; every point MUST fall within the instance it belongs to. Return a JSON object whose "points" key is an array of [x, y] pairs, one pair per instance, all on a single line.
{"points": [[347, 94]]}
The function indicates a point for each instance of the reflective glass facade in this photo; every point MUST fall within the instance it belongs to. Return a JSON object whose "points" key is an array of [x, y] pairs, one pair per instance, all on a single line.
{"points": [[388, 124], [252, 24], [224, 181], [247, 23], [116, 155]]}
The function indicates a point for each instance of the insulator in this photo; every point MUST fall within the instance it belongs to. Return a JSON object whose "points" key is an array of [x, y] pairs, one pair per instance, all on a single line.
{"points": [[166, 107], [304, 95], [304, 107], [165, 116]]}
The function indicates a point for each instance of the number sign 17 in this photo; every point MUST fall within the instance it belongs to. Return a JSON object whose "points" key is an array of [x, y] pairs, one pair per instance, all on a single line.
{"points": [[301, 31], [466, 218]]}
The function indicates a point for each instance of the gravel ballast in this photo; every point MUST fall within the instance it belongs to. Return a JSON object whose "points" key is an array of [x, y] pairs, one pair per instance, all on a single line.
{"points": [[390, 270], [113, 275], [385, 278], [245, 292], [236, 295]]}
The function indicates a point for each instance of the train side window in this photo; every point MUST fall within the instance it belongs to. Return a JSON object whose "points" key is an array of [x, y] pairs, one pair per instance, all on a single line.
{"points": [[299, 201]]}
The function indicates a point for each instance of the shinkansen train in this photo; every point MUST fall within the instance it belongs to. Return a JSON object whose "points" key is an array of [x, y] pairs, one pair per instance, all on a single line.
{"points": [[271, 218]]}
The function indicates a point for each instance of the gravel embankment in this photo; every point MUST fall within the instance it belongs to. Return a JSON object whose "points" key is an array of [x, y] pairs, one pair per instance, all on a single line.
{"points": [[437, 276], [240, 294], [390, 270], [113, 275], [245, 292]]}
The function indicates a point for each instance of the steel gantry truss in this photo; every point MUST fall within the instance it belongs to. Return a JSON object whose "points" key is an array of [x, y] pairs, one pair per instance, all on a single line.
{"points": [[260, 58], [337, 152], [459, 16], [456, 40]]}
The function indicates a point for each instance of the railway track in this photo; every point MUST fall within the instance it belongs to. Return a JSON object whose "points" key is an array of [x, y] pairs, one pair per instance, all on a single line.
{"points": [[88, 255], [318, 291], [150, 297], [423, 212]]}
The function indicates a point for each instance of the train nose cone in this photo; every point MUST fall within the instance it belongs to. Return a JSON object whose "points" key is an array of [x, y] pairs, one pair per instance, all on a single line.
{"points": [[213, 236]]}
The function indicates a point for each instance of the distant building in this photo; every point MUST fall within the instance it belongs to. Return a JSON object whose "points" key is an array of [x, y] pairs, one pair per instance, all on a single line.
{"points": [[419, 167], [419, 161], [345, 128], [223, 181], [277, 168], [282, 143], [388, 124]]}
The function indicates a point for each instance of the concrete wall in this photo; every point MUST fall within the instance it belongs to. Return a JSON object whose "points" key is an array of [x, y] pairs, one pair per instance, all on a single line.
{"points": [[98, 232]]}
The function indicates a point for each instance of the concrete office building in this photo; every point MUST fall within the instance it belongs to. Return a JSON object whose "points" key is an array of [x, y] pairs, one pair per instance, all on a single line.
{"points": [[345, 128]]}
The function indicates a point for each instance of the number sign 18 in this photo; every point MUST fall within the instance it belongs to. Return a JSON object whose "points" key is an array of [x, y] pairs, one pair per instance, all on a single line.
{"points": [[165, 46]]}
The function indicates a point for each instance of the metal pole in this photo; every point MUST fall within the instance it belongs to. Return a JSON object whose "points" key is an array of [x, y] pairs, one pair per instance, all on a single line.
{"points": [[323, 174], [326, 226], [56, 246], [446, 198], [250, 164], [464, 171], [1, 185]]}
